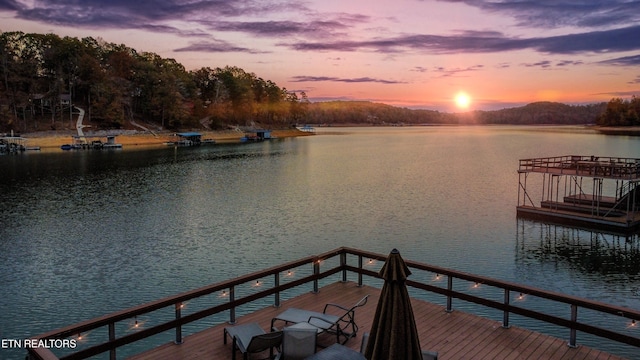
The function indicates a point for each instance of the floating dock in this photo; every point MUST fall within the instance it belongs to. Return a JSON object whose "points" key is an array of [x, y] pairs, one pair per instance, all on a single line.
{"points": [[590, 191]]}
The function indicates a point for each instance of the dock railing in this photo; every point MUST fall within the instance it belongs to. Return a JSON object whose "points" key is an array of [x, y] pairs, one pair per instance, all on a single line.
{"points": [[601, 166], [349, 261]]}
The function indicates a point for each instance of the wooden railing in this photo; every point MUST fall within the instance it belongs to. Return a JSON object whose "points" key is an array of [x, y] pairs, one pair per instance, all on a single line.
{"points": [[346, 257]]}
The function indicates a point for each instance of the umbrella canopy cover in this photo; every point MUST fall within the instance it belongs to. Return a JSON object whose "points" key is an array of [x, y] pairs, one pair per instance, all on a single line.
{"points": [[393, 333]]}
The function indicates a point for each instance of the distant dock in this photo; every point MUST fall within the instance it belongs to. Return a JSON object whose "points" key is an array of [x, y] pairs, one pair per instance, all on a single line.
{"points": [[190, 139], [12, 144], [92, 142], [590, 191]]}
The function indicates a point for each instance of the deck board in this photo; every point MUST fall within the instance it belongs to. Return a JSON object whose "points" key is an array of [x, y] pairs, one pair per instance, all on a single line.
{"points": [[455, 335]]}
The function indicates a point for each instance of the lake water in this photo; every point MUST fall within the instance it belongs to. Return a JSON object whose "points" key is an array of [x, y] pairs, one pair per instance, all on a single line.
{"points": [[86, 233]]}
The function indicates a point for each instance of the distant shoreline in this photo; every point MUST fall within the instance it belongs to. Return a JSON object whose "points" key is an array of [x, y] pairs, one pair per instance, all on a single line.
{"points": [[619, 130], [55, 139], [605, 130]]}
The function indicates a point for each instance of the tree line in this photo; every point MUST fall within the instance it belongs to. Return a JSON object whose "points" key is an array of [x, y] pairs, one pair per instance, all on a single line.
{"points": [[44, 77], [619, 112], [367, 113]]}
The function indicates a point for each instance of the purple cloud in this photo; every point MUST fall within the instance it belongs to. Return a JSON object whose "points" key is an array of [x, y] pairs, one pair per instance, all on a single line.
{"points": [[216, 46], [444, 72], [559, 13], [624, 39], [633, 60], [305, 78]]}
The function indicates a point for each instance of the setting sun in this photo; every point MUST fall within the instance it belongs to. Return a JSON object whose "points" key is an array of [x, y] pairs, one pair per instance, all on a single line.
{"points": [[462, 100]]}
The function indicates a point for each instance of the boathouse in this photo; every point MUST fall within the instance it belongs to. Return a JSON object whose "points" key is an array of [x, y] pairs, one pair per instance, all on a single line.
{"points": [[591, 191], [193, 137], [12, 143], [190, 139], [256, 135], [92, 142]]}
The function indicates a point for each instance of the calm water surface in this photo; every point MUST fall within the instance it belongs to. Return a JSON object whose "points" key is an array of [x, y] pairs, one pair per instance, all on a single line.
{"points": [[90, 232]]}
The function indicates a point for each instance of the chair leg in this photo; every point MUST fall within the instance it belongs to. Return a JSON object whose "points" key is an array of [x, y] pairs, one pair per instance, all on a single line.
{"points": [[233, 349]]}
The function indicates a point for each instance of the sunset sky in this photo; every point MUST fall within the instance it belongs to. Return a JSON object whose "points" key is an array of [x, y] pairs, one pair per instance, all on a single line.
{"points": [[410, 53]]}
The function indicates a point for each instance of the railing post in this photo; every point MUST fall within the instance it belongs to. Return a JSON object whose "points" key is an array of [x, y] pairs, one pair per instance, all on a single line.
{"points": [[505, 314], [360, 273], [574, 318], [343, 265], [277, 294], [232, 310], [316, 272], [112, 337], [179, 326], [449, 297]]}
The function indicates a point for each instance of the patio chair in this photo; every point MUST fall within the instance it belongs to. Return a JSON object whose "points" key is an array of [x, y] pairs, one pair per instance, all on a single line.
{"points": [[250, 338], [334, 319], [298, 342]]}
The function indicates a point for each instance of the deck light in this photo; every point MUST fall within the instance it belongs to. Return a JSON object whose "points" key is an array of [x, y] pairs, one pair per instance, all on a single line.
{"points": [[521, 296], [136, 325], [81, 338], [437, 276], [633, 323], [476, 285], [289, 273]]}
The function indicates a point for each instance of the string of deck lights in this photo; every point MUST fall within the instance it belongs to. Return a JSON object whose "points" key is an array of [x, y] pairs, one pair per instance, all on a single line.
{"points": [[137, 325], [258, 283]]}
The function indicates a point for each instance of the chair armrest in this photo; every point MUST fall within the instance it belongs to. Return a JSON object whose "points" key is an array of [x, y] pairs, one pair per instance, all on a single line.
{"points": [[334, 305], [321, 319]]}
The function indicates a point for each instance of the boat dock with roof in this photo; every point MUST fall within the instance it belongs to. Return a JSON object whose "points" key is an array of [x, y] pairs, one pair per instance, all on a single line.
{"points": [[338, 277], [11, 144], [92, 142], [256, 135], [591, 191], [190, 139]]}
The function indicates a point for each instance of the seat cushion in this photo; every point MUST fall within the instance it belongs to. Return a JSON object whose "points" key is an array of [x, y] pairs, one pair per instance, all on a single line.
{"points": [[243, 334]]}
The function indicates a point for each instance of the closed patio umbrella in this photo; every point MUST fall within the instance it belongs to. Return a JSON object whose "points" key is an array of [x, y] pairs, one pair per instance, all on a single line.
{"points": [[393, 332]]}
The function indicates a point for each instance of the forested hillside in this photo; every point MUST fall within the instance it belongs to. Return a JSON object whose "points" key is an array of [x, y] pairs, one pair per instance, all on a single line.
{"points": [[620, 112], [368, 113], [45, 78], [542, 113], [349, 112]]}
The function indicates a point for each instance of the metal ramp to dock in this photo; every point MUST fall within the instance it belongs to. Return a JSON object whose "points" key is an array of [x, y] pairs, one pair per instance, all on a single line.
{"points": [[593, 191]]}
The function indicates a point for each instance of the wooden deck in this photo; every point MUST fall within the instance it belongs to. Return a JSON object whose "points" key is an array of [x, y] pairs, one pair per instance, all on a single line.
{"points": [[455, 335]]}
